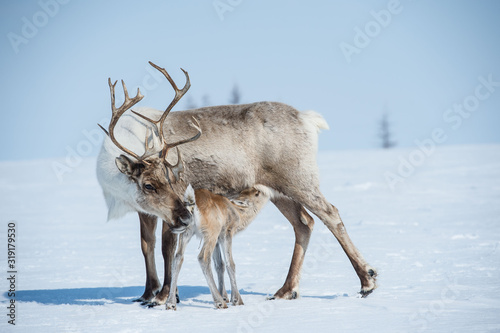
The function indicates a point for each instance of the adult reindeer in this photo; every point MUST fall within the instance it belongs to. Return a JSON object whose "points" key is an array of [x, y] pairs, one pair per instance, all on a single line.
{"points": [[265, 143]]}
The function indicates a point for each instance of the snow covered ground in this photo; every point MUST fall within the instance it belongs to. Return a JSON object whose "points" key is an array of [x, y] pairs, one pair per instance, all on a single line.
{"points": [[434, 239]]}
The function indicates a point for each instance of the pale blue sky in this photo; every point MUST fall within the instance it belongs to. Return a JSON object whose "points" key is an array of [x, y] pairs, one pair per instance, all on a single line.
{"points": [[426, 59]]}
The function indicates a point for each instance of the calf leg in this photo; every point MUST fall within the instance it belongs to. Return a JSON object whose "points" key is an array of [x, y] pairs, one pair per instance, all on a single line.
{"points": [[219, 268], [204, 260], [231, 269], [148, 240], [302, 224], [176, 268]]}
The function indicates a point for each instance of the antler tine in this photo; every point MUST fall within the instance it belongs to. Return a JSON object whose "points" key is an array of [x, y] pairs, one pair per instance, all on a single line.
{"points": [[118, 112], [158, 124], [178, 92], [129, 102], [112, 93], [178, 168], [148, 150], [195, 137]]}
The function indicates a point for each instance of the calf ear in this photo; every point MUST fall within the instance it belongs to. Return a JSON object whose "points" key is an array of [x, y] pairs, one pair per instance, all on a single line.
{"points": [[125, 165], [240, 203]]}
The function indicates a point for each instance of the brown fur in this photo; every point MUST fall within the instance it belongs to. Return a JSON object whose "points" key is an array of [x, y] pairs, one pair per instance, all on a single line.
{"points": [[264, 143], [216, 219]]}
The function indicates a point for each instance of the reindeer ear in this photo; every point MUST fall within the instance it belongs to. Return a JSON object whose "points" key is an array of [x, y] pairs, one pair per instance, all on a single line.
{"points": [[125, 165], [189, 195]]}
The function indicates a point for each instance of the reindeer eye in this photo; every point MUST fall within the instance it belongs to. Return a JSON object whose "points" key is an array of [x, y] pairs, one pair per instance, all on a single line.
{"points": [[149, 187]]}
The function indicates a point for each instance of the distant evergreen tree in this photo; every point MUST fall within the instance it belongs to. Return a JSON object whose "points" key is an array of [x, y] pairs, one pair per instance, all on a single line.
{"points": [[385, 133], [235, 97]]}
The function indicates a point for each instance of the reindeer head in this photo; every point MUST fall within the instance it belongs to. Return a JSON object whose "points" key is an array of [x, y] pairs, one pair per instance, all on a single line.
{"points": [[159, 193]]}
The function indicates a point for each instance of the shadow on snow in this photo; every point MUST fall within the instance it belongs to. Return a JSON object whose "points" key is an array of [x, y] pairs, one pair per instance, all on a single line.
{"points": [[103, 295]]}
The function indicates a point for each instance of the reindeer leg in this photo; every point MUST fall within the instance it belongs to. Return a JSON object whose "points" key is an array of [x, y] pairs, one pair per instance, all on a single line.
{"points": [[148, 240], [219, 268], [302, 224], [310, 196], [330, 216], [204, 260], [168, 245]]}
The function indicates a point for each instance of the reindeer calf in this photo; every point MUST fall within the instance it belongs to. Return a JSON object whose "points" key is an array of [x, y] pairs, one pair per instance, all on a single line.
{"points": [[216, 219]]}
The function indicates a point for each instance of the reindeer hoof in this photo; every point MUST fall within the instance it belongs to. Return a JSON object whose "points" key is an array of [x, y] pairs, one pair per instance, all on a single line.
{"points": [[238, 301], [221, 305], [367, 290], [143, 299], [171, 307], [365, 293], [146, 297], [284, 295], [177, 299], [152, 304]]}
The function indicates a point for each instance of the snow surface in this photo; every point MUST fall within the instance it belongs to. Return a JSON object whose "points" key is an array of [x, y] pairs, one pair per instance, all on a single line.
{"points": [[434, 240]]}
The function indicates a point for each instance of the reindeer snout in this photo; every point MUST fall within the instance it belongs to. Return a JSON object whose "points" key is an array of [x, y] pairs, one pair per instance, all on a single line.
{"points": [[182, 218], [185, 220], [181, 224]]}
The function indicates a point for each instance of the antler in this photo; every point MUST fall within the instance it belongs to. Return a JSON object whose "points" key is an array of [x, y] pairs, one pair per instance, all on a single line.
{"points": [[118, 112], [158, 124]]}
